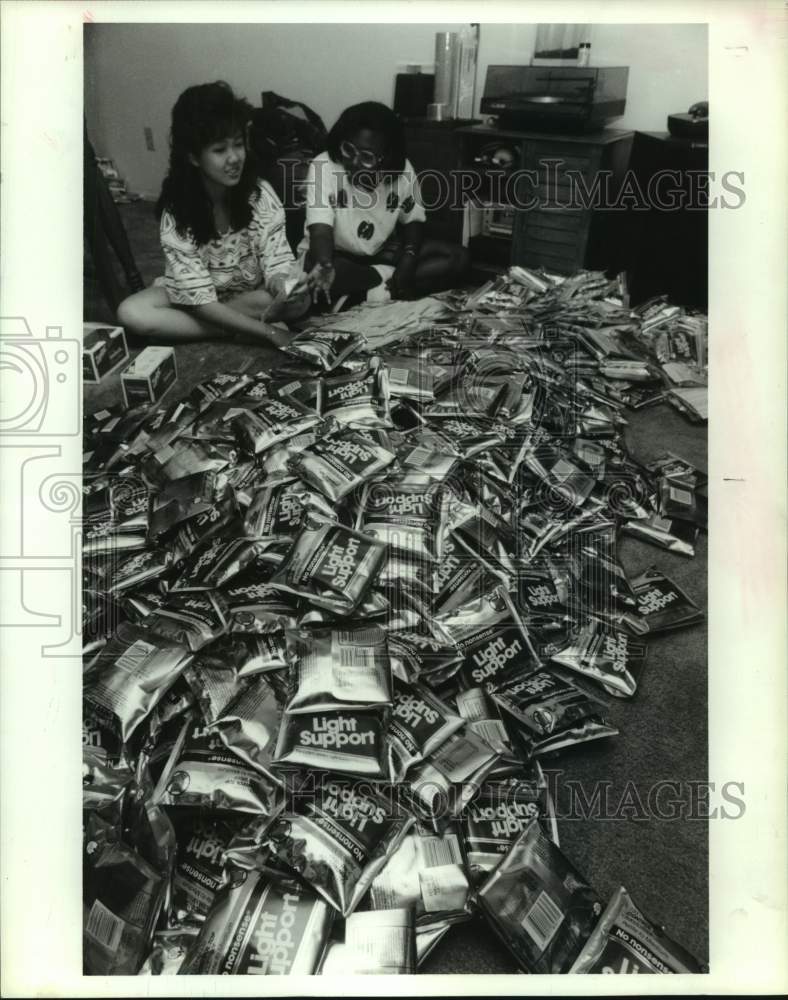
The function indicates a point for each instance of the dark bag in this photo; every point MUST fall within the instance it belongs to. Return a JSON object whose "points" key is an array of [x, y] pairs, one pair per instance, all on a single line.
{"points": [[282, 127], [284, 136]]}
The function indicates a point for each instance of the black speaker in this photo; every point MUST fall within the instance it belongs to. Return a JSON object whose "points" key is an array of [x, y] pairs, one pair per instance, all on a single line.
{"points": [[412, 93]]}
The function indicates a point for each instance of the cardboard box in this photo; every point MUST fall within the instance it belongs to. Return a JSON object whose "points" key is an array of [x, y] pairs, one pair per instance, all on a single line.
{"points": [[104, 348], [149, 376]]}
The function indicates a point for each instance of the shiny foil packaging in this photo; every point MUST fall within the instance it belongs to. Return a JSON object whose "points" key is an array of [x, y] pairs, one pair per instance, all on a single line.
{"points": [[410, 378], [331, 566], [123, 896], [416, 654], [612, 658], [335, 669], [377, 943], [191, 619], [550, 712], [197, 530], [275, 461], [625, 942], [261, 924], [426, 874], [338, 834], [405, 512], [248, 725], [336, 465], [420, 723], [358, 399], [203, 773], [168, 951], [325, 349], [475, 707], [663, 603], [183, 499], [130, 675], [221, 386], [671, 534], [277, 510], [217, 563], [498, 815], [120, 575], [346, 741], [442, 786], [539, 904], [256, 607], [199, 865], [271, 422]]}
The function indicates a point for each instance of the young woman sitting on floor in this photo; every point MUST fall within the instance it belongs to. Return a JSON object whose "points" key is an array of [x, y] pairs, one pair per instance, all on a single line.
{"points": [[364, 232], [222, 232]]}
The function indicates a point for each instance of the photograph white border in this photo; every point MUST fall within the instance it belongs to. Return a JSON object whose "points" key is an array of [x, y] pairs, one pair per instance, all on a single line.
{"points": [[42, 102]]}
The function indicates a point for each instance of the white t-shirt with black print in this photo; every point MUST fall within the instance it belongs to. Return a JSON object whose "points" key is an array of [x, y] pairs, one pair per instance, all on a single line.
{"points": [[362, 220]]}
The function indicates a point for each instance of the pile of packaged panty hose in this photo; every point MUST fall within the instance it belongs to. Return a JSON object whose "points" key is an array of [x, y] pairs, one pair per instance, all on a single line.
{"points": [[336, 614]]}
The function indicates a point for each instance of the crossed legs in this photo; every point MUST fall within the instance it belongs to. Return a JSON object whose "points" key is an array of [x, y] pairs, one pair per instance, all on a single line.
{"points": [[150, 313]]}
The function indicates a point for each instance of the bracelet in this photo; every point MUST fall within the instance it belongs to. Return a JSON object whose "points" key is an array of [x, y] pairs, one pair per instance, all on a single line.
{"points": [[411, 250]]}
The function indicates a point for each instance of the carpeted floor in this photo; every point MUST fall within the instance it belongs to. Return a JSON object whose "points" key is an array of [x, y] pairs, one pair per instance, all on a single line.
{"points": [[663, 738]]}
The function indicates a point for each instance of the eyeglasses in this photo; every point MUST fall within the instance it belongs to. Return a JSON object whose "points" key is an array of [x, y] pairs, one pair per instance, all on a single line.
{"points": [[364, 157]]}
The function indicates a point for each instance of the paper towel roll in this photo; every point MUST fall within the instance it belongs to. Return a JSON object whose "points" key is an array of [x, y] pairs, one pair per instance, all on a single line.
{"points": [[445, 49]]}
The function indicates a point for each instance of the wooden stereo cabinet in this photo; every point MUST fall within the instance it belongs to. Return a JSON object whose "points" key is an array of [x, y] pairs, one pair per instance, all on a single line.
{"points": [[552, 227], [545, 229]]}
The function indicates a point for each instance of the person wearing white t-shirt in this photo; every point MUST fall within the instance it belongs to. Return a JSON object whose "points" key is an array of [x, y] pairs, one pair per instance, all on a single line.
{"points": [[364, 231]]}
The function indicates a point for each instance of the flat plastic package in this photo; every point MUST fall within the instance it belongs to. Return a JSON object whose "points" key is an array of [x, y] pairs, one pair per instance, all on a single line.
{"points": [[426, 874], [261, 924], [552, 712], [612, 658], [339, 836], [277, 510], [204, 774], [331, 566], [358, 399], [442, 786], [377, 943], [420, 723], [325, 349], [199, 865], [256, 607], [168, 951], [625, 942], [663, 603], [249, 724], [191, 619], [498, 815], [338, 464], [346, 741], [123, 894], [333, 668], [217, 563], [405, 512], [539, 904], [271, 422], [130, 675], [671, 534]]}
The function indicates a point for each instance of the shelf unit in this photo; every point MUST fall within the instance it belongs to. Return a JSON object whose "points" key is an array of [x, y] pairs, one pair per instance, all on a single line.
{"points": [[551, 229]]}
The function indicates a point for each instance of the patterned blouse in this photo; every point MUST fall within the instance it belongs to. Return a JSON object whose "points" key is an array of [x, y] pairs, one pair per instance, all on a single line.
{"points": [[236, 262]]}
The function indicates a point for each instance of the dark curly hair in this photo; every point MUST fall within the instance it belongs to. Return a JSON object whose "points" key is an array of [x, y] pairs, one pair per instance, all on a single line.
{"points": [[377, 118], [203, 115]]}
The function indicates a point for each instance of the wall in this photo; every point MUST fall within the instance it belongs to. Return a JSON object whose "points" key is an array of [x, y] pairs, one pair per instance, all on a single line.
{"points": [[135, 72]]}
